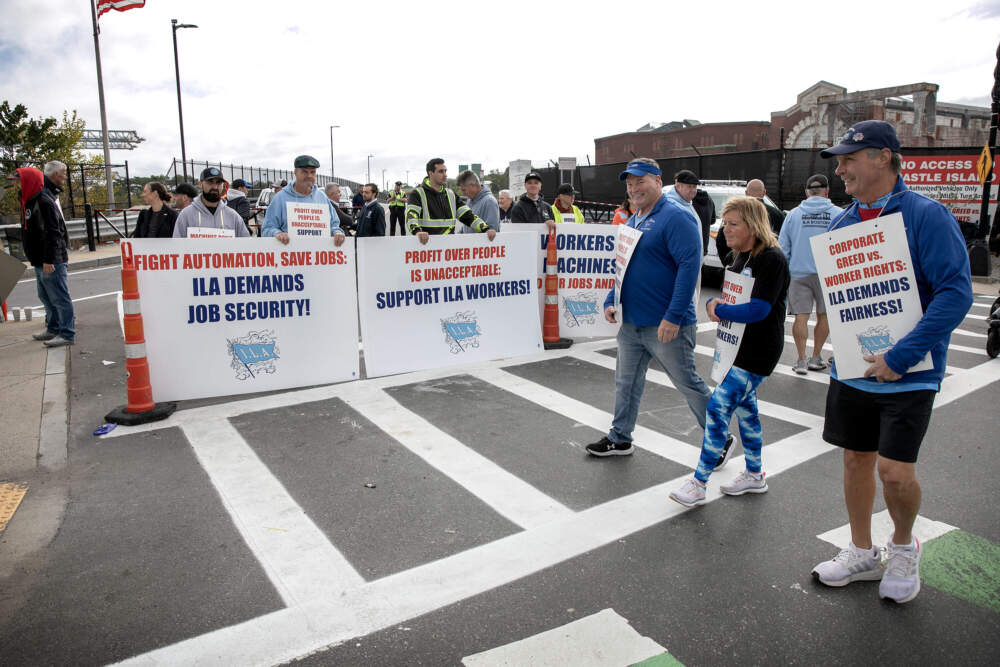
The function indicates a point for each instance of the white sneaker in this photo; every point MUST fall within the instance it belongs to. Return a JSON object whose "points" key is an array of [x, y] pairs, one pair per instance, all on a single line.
{"points": [[901, 581], [745, 482], [800, 367], [816, 363], [851, 564], [691, 494]]}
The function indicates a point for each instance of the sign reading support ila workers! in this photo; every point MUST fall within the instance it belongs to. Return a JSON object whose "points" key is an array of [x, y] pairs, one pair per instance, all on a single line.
{"points": [[234, 316], [736, 290], [458, 299], [307, 219], [866, 274]]}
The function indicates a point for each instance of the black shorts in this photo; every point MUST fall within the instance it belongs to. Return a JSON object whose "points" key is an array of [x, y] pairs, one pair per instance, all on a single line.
{"points": [[891, 424]]}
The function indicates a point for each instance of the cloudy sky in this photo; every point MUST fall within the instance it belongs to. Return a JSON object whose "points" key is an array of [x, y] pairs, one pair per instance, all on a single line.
{"points": [[467, 81]]}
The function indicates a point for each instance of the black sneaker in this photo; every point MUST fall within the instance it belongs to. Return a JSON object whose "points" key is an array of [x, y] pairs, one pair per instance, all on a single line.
{"points": [[604, 447], [727, 451]]}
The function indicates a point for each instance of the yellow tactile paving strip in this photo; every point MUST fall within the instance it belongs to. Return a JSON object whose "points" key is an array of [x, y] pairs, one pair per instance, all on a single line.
{"points": [[10, 498]]}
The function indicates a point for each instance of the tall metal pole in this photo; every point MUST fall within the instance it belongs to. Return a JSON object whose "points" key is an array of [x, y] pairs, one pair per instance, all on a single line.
{"points": [[370, 168], [984, 210], [385, 185], [332, 128], [174, 26], [104, 115]]}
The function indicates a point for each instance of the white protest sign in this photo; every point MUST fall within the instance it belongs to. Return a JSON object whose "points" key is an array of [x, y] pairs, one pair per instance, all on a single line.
{"points": [[736, 290], [585, 264], [307, 219], [210, 233], [867, 278], [456, 300], [224, 317], [628, 239]]}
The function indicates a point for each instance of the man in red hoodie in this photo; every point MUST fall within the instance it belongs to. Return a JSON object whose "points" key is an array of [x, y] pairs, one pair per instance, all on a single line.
{"points": [[45, 244]]}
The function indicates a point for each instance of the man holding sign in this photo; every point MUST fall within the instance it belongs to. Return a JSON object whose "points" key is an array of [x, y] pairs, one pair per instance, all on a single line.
{"points": [[659, 272], [207, 216], [880, 413], [302, 209]]}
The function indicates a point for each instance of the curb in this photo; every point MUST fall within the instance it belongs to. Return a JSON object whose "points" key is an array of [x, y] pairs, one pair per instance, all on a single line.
{"points": [[53, 433], [94, 263]]}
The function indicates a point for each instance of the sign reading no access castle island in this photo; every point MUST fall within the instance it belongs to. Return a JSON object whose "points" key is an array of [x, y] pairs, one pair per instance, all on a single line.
{"points": [[867, 278]]}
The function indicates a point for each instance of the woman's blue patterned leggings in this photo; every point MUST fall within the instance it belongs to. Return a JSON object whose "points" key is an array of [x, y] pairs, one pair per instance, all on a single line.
{"points": [[737, 393]]}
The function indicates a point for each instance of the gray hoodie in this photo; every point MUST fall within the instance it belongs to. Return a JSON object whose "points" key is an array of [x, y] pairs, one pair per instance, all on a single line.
{"points": [[198, 215]]}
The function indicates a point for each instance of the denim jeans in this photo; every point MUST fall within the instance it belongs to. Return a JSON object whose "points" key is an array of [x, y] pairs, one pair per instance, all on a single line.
{"points": [[636, 347], [53, 291]]}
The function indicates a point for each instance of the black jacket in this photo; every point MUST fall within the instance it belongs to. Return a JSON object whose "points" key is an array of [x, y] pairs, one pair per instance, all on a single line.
{"points": [[774, 216], [46, 240], [526, 210], [155, 224], [371, 222], [705, 208], [241, 205]]}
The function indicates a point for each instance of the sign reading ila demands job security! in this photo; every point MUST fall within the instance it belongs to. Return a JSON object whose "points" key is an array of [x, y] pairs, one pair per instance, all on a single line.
{"points": [[234, 316], [585, 258], [458, 299], [307, 219], [871, 295]]}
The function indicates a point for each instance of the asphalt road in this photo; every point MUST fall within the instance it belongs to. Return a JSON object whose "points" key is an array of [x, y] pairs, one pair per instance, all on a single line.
{"points": [[427, 518]]}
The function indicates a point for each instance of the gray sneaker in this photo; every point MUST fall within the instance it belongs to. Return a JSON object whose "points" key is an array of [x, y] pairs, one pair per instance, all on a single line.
{"points": [[851, 564], [692, 493], [800, 367], [901, 581], [58, 341], [45, 335], [816, 363], [745, 482]]}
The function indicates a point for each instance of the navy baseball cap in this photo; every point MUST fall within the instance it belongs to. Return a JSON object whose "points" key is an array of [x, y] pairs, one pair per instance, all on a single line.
{"points": [[240, 183], [306, 161], [208, 173], [637, 168], [866, 134]]}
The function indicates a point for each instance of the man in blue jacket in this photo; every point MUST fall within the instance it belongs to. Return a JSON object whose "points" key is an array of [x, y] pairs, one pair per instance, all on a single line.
{"points": [[880, 419], [302, 190], [805, 221], [658, 318]]}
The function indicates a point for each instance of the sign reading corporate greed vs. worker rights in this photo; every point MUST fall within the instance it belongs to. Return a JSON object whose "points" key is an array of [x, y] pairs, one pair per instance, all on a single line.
{"points": [[458, 299], [233, 316], [871, 295]]}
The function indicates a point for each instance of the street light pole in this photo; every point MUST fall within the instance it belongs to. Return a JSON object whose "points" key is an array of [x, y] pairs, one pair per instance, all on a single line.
{"points": [[177, 73], [332, 128], [370, 168], [385, 185]]}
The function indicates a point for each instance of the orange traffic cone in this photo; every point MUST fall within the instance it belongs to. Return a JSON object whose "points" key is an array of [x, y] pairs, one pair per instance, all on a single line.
{"points": [[550, 324], [140, 408]]}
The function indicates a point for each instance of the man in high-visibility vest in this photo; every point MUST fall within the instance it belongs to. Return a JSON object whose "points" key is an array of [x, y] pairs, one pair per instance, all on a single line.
{"points": [[563, 209], [432, 208], [397, 209]]}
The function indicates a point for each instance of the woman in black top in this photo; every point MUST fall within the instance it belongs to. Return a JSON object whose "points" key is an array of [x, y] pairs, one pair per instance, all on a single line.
{"points": [[157, 221], [755, 253]]}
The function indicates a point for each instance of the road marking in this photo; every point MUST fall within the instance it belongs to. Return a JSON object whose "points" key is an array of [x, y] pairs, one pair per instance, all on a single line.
{"points": [[301, 563], [973, 334], [601, 639], [505, 493], [964, 565], [10, 497], [74, 273], [967, 381], [925, 529], [82, 298]]}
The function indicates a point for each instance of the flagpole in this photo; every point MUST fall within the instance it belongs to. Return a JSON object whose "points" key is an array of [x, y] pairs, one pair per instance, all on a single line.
{"points": [[104, 115]]}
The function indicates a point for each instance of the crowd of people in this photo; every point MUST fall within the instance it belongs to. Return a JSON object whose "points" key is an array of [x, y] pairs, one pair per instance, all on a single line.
{"points": [[879, 420]]}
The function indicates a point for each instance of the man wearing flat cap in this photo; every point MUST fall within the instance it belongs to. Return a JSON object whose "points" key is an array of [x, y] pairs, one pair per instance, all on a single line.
{"points": [[880, 419], [301, 191], [208, 216], [658, 319]]}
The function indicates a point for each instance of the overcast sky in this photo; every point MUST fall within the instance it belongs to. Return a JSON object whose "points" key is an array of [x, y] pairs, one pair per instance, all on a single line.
{"points": [[467, 81]]}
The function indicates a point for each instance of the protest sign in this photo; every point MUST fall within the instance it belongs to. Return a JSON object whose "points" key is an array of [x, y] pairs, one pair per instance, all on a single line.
{"points": [[952, 180], [458, 299], [210, 233], [628, 239], [233, 316], [307, 218], [586, 268], [866, 275], [736, 290]]}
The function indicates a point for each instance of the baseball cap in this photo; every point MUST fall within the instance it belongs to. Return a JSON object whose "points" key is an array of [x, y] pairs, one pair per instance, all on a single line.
{"points": [[208, 173], [240, 183], [533, 175], [866, 134], [817, 181], [566, 189], [186, 189], [305, 161], [686, 176], [399, 182], [637, 168]]}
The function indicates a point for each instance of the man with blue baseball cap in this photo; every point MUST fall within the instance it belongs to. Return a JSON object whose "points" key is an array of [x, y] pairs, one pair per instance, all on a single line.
{"points": [[657, 315], [880, 420]]}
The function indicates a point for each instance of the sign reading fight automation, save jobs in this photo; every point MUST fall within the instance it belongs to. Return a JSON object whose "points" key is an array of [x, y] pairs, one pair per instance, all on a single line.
{"points": [[871, 295], [458, 299], [234, 316]]}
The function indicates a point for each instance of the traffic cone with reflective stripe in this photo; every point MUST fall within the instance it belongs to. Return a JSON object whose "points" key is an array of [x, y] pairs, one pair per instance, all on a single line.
{"points": [[550, 324], [140, 408]]}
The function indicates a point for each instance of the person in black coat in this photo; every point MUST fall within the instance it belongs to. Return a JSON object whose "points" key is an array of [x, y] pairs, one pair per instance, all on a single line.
{"points": [[705, 208], [371, 221], [158, 220]]}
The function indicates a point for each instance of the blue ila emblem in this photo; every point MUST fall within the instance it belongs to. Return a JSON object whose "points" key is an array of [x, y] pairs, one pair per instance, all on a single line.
{"points": [[461, 331], [253, 354], [875, 340], [580, 309]]}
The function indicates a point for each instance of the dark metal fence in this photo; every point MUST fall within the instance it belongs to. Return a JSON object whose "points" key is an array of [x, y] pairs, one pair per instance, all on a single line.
{"points": [[258, 177]]}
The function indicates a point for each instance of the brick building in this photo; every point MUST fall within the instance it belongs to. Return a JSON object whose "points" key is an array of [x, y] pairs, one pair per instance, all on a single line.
{"points": [[821, 113]]}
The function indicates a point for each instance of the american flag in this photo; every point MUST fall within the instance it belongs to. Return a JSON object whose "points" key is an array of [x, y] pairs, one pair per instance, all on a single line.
{"points": [[105, 6]]}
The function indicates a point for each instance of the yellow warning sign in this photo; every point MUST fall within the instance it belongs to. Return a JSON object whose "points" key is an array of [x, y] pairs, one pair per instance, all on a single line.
{"points": [[10, 498], [985, 165]]}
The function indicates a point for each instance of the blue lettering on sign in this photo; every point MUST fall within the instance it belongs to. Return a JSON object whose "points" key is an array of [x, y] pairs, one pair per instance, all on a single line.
{"points": [[874, 343], [254, 352], [459, 330], [580, 308]]}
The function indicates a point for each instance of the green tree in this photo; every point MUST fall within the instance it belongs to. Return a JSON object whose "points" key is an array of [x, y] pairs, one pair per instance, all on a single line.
{"points": [[500, 179]]}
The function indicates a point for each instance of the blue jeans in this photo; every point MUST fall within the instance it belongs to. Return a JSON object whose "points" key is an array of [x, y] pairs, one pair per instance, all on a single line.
{"points": [[53, 291], [636, 347], [736, 393]]}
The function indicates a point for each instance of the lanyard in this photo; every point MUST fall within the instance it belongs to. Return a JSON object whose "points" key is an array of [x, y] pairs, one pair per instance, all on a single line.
{"points": [[221, 225]]}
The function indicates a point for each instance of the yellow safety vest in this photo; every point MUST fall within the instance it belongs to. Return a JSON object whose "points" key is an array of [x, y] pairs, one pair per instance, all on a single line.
{"points": [[576, 216], [397, 199], [418, 217]]}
